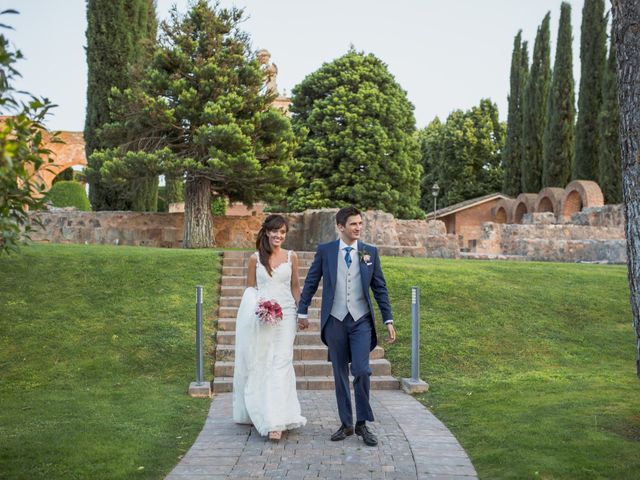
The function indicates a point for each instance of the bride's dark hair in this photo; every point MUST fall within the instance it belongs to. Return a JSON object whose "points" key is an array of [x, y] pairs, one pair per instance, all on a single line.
{"points": [[272, 222]]}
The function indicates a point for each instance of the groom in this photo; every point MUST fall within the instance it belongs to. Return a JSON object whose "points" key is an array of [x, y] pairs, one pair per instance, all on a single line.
{"points": [[349, 268]]}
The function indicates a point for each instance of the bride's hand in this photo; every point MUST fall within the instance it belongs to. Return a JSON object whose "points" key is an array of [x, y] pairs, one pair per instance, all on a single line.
{"points": [[303, 323]]}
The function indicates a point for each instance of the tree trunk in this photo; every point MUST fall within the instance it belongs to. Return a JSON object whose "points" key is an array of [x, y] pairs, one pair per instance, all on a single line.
{"points": [[626, 23], [198, 225]]}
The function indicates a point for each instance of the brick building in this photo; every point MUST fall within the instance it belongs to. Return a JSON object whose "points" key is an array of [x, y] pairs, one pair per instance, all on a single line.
{"points": [[465, 219]]}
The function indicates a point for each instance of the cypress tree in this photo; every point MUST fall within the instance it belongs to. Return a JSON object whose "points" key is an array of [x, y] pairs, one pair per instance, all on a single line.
{"points": [[559, 135], [119, 33], [534, 110], [513, 146], [609, 168], [592, 61]]}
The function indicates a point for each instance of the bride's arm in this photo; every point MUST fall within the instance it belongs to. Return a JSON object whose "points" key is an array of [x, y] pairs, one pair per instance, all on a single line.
{"points": [[251, 271], [295, 278]]}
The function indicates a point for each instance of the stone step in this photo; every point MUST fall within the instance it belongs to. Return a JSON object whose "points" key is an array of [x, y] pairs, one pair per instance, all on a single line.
{"points": [[229, 325], [238, 290], [313, 368], [226, 301], [231, 312], [225, 384], [302, 338], [300, 352]]}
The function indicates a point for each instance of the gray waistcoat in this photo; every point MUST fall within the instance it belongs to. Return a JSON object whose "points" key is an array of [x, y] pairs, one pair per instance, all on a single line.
{"points": [[349, 296]]}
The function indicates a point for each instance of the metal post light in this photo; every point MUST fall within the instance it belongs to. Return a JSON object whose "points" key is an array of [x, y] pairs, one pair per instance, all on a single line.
{"points": [[199, 352], [415, 334], [434, 191], [199, 388], [415, 384]]}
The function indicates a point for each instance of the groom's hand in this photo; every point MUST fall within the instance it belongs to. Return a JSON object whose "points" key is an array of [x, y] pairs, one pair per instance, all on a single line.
{"points": [[303, 323], [391, 333]]}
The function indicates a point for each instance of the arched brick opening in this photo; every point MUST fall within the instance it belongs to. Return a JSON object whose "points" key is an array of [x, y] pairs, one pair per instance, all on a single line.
{"points": [[545, 206], [524, 203], [572, 204], [64, 155], [503, 210], [549, 200], [519, 212], [580, 194]]}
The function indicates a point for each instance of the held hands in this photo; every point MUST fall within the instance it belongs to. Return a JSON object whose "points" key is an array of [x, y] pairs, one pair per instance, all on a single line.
{"points": [[391, 333], [303, 323]]}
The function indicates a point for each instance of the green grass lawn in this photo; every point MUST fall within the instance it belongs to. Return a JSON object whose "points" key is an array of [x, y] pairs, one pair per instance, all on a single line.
{"points": [[531, 365], [96, 354]]}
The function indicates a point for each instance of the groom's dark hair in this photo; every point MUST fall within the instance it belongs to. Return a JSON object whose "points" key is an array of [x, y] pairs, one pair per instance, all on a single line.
{"points": [[344, 213]]}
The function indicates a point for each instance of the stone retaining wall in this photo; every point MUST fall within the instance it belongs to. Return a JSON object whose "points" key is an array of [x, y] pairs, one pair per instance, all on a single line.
{"points": [[306, 231], [595, 234], [119, 228]]}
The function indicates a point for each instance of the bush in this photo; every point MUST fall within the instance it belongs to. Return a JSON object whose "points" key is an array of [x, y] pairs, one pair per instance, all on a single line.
{"points": [[69, 194], [65, 175]]}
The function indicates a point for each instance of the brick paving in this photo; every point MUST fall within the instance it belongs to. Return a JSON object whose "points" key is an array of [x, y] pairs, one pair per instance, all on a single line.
{"points": [[413, 444]]}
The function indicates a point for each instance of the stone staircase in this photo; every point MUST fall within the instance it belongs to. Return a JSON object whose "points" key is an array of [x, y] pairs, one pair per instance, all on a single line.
{"points": [[313, 372]]}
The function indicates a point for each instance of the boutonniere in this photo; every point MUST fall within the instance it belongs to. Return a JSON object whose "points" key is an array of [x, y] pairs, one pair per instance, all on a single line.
{"points": [[364, 256]]}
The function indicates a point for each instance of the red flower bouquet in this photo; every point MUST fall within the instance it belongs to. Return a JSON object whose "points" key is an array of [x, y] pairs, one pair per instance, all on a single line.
{"points": [[269, 312]]}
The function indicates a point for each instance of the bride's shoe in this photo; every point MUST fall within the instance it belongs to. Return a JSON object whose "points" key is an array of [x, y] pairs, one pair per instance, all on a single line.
{"points": [[275, 436]]}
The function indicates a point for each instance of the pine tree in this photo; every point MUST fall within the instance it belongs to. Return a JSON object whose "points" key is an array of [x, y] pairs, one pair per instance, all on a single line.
{"points": [[361, 146], [559, 136], [593, 52], [120, 34], [609, 166], [511, 155], [200, 113], [536, 93]]}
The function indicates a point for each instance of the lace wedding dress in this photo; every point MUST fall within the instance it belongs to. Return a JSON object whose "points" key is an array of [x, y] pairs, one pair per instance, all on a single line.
{"points": [[264, 382]]}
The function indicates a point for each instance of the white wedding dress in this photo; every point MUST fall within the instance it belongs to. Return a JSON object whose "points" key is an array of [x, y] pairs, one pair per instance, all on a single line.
{"points": [[264, 382]]}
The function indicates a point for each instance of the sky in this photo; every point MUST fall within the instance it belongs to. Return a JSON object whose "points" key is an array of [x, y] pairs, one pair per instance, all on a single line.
{"points": [[446, 55]]}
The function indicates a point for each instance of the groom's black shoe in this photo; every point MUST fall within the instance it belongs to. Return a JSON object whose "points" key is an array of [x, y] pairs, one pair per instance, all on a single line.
{"points": [[342, 433], [367, 435]]}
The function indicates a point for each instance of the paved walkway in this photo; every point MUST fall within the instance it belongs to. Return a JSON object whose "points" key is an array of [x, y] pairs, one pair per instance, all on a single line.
{"points": [[412, 444]]}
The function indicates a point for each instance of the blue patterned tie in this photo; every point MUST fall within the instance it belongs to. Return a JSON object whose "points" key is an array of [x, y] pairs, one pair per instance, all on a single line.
{"points": [[347, 255]]}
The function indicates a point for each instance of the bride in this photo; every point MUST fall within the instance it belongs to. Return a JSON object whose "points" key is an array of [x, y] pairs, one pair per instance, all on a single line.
{"points": [[264, 381]]}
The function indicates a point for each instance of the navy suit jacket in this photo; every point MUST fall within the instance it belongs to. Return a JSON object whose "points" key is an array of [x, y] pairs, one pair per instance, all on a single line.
{"points": [[325, 266]]}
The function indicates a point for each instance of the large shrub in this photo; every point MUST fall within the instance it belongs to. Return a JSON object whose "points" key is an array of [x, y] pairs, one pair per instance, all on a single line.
{"points": [[69, 194]]}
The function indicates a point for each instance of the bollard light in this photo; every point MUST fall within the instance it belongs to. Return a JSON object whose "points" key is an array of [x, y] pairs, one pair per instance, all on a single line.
{"points": [[415, 384], [199, 352], [199, 388], [415, 333]]}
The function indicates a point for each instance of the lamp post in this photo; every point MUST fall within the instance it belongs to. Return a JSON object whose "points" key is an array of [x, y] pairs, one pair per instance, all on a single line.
{"points": [[434, 191]]}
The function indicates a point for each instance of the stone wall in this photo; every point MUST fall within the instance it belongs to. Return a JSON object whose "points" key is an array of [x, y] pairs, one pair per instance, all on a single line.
{"points": [[605, 216], [306, 231], [595, 235], [68, 225]]}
